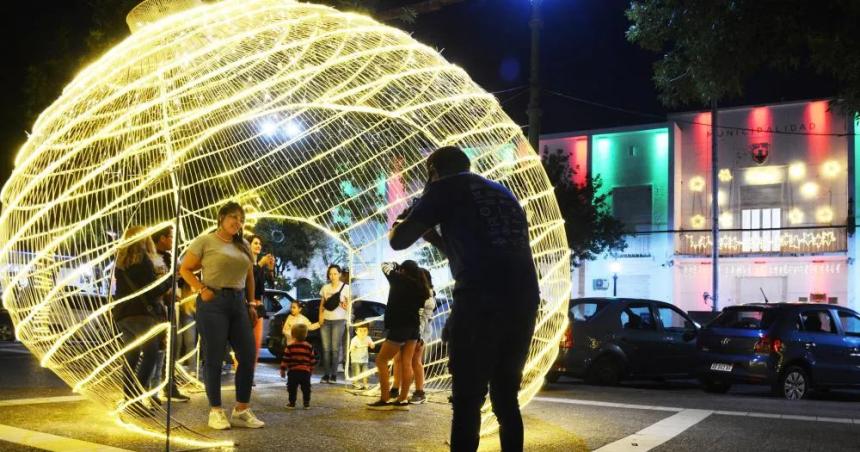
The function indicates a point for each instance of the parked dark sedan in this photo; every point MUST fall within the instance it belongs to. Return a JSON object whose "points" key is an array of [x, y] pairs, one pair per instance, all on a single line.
{"points": [[613, 339], [794, 347]]}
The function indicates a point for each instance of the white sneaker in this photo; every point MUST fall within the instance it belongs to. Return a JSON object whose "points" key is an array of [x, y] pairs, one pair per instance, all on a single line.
{"points": [[218, 420], [245, 419]]}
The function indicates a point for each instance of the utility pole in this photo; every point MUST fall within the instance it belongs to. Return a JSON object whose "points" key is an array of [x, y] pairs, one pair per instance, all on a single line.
{"points": [[715, 211], [534, 110]]}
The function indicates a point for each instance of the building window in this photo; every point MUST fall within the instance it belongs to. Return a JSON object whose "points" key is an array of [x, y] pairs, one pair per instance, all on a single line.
{"points": [[757, 225], [632, 205]]}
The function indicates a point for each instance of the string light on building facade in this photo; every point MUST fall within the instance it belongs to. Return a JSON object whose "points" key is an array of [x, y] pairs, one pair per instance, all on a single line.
{"points": [[697, 222], [697, 183], [824, 214], [272, 103], [795, 216], [797, 171], [726, 220], [809, 190], [830, 169], [773, 269], [725, 175], [788, 241], [763, 176]]}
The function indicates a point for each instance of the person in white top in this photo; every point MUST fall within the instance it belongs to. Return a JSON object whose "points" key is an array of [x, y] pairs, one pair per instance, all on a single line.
{"points": [[334, 298], [296, 317], [359, 355]]}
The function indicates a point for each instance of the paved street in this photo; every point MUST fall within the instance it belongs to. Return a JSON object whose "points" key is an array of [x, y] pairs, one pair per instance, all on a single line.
{"points": [[568, 416]]}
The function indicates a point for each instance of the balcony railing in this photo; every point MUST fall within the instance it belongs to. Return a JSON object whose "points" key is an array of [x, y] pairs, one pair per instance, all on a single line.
{"points": [[755, 242], [637, 246]]}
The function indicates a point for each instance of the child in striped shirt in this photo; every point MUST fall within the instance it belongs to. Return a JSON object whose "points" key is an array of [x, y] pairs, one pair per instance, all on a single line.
{"points": [[299, 360]]}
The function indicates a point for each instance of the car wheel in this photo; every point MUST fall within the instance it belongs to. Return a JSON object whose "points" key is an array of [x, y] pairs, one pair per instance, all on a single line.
{"points": [[7, 331], [793, 384], [552, 377], [715, 386], [605, 371]]}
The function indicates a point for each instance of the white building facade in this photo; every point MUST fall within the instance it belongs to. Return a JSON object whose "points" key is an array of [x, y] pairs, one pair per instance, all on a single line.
{"points": [[786, 191]]}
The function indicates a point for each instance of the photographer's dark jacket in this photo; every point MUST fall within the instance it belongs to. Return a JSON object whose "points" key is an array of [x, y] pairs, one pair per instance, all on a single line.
{"points": [[486, 235], [150, 302]]}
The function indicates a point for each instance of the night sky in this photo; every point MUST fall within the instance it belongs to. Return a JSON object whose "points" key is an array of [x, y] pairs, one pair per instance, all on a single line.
{"points": [[584, 54]]}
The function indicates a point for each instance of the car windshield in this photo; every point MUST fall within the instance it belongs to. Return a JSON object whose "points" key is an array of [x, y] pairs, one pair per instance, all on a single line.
{"points": [[745, 319]]}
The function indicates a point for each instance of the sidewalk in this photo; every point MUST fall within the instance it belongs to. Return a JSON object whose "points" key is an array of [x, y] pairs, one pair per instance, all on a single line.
{"points": [[339, 421]]}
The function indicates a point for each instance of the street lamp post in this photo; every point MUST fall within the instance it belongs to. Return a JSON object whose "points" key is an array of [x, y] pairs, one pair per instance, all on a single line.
{"points": [[534, 110], [615, 268]]}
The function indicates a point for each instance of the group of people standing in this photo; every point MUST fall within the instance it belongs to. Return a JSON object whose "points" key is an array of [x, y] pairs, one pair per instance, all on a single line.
{"points": [[483, 231], [227, 309]]}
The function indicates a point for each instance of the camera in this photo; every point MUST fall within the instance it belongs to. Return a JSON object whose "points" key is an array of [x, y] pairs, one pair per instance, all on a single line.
{"points": [[412, 203]]}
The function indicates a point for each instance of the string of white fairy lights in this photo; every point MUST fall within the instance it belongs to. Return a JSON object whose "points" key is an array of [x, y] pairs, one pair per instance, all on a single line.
{"points": [[296, 109]]}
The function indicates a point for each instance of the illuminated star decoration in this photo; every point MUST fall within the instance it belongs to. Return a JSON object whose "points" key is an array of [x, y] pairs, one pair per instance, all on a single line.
{"points": [[298, 109]]}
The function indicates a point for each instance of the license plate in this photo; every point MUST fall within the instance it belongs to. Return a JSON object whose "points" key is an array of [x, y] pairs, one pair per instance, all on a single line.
{"points": [[722, 367]]}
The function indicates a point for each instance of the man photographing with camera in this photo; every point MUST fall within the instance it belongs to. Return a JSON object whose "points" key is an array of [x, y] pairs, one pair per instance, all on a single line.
{"points": [[484, 234]]}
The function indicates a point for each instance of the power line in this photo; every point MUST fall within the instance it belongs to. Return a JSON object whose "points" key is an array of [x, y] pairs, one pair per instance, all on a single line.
{"points": [[514, 96], [508, 89]]}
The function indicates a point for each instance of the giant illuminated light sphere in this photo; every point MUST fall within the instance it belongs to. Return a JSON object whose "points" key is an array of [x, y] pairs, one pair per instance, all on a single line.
{"points": [[302, 111]]}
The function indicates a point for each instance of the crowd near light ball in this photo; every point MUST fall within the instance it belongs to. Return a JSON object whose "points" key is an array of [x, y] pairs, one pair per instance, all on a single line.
{"points": [[192, 109], [797, 171], [809, 190]]}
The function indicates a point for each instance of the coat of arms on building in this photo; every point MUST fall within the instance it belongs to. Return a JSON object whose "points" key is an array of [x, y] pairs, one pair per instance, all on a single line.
{"points": [[760, 151]]}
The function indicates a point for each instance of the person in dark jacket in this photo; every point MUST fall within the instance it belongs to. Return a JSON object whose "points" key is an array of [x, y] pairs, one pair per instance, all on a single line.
{"points": [[139, 311], [264, 272], [485, 236], [163, 261], [297, 366], [409, 289]]}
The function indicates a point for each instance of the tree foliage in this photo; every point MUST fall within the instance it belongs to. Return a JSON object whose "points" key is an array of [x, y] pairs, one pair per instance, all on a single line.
{"points": [[711, 48], [589, 225], [293, 244]]}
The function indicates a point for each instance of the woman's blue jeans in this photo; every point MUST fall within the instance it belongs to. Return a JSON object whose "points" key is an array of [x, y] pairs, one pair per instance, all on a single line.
{"points": [[219, 321], [332, 341]]}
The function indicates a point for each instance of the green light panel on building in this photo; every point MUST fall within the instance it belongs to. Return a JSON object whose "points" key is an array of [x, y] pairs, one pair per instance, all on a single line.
{"points": [[639, 158]]}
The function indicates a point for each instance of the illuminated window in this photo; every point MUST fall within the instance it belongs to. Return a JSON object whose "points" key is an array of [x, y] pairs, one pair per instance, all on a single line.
{"points": [[758, 235]]}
